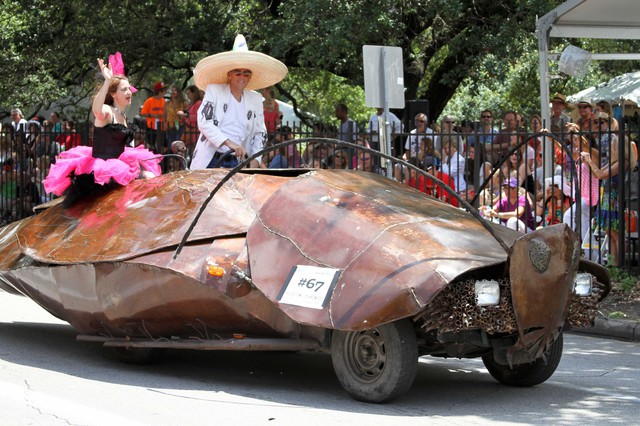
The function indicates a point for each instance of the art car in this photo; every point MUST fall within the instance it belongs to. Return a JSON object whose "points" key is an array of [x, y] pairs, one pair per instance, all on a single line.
{"points": [[368, 269]]}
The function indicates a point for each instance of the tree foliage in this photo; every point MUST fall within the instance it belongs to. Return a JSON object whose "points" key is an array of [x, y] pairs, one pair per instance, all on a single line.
{"points": [[467, 54]]}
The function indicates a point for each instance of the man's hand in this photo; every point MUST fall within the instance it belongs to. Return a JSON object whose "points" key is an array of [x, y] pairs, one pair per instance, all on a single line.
{"points": [[239, 150]]}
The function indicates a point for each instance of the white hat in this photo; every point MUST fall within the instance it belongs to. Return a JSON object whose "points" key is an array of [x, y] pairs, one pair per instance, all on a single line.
{"points": [[266, 71], [559, 182]]}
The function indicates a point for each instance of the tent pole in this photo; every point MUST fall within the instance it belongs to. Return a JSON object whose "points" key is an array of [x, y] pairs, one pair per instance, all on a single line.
{"points": [[543, 27]]}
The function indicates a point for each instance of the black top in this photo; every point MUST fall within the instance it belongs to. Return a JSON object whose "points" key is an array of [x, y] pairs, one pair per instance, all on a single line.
{"points": [[109, 141]]}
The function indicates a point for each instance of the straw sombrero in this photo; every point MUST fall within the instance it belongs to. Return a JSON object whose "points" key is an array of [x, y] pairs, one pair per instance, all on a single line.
{"points": [[266, 71]]}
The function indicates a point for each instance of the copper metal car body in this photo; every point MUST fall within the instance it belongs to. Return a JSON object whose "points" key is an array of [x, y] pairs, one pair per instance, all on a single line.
{"points": [[405, 267]]}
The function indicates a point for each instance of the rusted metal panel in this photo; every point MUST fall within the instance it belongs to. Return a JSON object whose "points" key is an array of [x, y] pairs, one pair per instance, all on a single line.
{"points": [[145, 216], [395, 249], [542, 269], [227, 344]]}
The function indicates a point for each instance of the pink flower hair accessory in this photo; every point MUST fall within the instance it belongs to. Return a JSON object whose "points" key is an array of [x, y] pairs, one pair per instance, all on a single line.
{"points": [[117, 67]]}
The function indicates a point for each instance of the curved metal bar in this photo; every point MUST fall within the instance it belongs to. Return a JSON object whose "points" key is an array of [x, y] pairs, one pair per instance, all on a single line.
{"points": [[468, 207]]}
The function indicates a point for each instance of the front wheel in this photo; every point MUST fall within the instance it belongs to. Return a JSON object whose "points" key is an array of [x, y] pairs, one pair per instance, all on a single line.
{"points": [[525, 375], [376, 365]]}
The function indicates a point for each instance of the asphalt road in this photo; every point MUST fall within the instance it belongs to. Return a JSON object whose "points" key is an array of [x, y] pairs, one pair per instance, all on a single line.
{"points": [[48, 378]]}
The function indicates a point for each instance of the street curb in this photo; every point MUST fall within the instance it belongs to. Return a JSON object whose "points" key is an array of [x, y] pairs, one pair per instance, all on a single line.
{"points": [[612, 328]]}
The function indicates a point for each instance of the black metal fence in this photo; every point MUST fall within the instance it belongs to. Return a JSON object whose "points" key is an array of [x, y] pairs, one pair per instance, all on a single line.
{"points": [[550, 169]]}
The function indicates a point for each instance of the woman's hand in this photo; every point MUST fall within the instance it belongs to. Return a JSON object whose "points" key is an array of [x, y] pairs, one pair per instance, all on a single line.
{"points": [[107, 73]]}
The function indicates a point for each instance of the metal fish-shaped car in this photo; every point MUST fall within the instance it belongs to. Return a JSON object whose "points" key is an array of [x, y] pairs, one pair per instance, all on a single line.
{"points": [[353, 263]]}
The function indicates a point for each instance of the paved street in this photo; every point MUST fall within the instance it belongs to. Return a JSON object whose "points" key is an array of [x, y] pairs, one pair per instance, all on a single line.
{"points": [[49, 378]]}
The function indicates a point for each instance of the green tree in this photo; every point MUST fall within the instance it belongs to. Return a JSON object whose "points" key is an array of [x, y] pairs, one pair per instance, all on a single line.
{"points": [[483, 51]]}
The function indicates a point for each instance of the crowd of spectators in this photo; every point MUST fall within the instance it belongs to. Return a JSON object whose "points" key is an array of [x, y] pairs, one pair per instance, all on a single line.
{"points": [[500, 169]]}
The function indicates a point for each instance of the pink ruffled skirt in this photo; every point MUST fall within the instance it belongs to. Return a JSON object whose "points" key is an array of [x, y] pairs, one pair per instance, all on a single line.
{"points": [[79, 160]]}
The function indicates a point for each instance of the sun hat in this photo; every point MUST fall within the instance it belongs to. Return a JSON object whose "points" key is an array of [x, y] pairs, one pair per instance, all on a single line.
{"points": [[559, 97], [512, 182], [559, 182], [266, 71], [584, 101]]}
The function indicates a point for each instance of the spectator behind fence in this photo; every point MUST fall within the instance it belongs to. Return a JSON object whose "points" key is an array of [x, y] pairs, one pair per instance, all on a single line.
{"points": [[585, 116], [271, 110], [499, 147], [56, 123], [231, 115], [275, 159], [453, 163], [604, 106], [609, 210], [558, 118], [8, 188], [178, 147], [513, 208], [18, 122], [294, 159], [190, 117], [340, 159], [32, 139], [528, 162], [84, 170], [348, 129], [485, 133], [520, 122], [586, 181], [153, 111], [429, 186], [365, 163], [484, 170], [555, 202], [604, 138], [69, 138], [171, 118], [448, 131], [374, 126], [420, 132]]}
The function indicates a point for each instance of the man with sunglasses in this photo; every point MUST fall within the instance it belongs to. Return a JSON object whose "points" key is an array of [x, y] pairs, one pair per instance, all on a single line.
{"points": [[421, 131], [231, 114], [585, 111], [486, 133]]}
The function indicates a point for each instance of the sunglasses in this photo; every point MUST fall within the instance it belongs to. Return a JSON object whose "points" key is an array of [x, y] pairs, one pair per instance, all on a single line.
{"points": [[486, 116], [244, 73], [600, 122], [449, 122], [583, 106], [421, 121]]}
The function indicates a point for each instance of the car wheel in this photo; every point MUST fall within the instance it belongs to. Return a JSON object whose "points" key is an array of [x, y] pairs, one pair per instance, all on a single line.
{"points": [[376, 365], [136, 356], [527, 374]]}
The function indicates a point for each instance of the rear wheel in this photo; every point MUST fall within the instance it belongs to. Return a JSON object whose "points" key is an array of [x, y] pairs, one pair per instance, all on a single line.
{"points": [[376, 365], [527, 374]]}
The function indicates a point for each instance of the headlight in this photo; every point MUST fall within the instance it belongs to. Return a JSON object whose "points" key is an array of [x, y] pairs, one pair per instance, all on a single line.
{"points": [[487, 292], [582, 284]]}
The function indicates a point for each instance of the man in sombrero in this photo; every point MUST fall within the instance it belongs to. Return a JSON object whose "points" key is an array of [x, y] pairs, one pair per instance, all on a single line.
{"points": [[231, 115]]}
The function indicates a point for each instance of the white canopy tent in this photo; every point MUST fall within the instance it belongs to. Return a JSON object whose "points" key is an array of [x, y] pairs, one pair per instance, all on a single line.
{"points": [[612, 19], [623, 87]]}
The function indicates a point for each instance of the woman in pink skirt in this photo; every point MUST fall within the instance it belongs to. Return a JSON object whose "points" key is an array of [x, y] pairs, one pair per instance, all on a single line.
{"points": [[84, 170]]}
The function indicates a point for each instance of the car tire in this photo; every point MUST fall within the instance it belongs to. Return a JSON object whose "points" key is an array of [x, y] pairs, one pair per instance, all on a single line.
{"points": [[526, 375], [376, 365], [136, 356]]}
